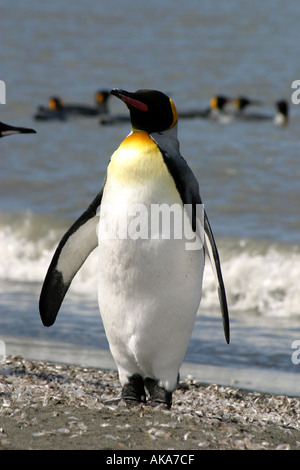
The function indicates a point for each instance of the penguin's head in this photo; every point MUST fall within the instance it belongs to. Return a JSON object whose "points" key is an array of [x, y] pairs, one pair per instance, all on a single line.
{"points": [[150, 110], [282, 114], [101, 96], [283, 107], [55, 103], [218, 102], [242, 102]]}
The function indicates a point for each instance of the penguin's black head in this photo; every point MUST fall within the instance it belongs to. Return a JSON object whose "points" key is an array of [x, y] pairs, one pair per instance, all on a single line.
{"points": [[55, 103], [242, 102], [150, 110], [283, 107], [218, 102], [102, 96]]}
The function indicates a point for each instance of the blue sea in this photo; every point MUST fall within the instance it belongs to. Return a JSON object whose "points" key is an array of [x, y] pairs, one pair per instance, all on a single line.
{"points": [[249, 172]]}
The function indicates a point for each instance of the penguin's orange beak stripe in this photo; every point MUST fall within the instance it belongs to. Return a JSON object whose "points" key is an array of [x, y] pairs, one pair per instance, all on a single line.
{"points": [[128, 100], [135, 103]]}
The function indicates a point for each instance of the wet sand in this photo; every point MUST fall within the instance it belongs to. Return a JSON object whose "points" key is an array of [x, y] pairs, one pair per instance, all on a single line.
{"points": [[52, 406]]}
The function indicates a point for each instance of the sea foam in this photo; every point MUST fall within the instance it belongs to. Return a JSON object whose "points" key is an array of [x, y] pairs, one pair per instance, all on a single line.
{"points": [[260, 277]]}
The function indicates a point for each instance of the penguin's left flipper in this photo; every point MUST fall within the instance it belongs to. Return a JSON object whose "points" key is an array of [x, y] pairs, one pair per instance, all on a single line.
{"points": [[211, 248], [74, 248]]}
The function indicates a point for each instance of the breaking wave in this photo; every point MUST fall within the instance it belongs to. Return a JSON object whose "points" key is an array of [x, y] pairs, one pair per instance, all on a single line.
{"points": [[259, 276]]}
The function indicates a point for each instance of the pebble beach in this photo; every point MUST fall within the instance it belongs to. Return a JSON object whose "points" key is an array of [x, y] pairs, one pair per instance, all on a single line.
{"points": [[51, 406]]}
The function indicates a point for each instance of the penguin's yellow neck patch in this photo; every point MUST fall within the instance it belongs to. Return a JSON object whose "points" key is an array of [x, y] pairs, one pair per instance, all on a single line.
{"points": [[137, 160], [139, 140]]}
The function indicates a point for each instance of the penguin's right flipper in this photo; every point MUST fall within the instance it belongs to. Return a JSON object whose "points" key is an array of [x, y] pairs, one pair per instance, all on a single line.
{"points": [[74, 248]]}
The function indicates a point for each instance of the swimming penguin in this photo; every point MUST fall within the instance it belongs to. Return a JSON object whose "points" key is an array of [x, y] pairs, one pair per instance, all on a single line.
{"points": [[54, 111], [214, 111], [227, 110], [241, 103], [281, 117], [150, 284], [58, 110], [217, 109], [6, 129]]}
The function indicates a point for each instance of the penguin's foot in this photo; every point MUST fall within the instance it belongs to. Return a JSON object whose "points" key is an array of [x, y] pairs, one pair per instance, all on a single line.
{"points": [[134, 392], [159, 396]]}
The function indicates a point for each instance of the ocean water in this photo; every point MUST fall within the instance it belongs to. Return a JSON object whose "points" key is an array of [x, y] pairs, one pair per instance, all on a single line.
{"points": [[249, 172]]}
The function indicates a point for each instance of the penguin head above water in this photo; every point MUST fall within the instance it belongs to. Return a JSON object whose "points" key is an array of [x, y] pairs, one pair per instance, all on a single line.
{"points": [[243, 102], [55, 104], [282, 113], [150, 110], [218, 102], [282, 107], [101, 96]]}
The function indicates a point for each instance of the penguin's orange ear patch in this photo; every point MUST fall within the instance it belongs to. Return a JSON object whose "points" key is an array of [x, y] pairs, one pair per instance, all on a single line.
{"points": [[174, 112]]}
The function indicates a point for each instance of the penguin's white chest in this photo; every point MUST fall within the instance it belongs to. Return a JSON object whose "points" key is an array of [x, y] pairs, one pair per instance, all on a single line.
{"points": [[149, 282]]}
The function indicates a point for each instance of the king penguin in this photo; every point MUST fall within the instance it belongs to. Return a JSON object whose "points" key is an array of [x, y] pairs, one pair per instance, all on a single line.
{"points": [[149, 287], [6, 129]]}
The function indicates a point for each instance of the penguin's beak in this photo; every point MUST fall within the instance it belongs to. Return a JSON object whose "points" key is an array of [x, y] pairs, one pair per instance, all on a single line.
{"points": [[129, 99], [10, 130], [24, 130]]}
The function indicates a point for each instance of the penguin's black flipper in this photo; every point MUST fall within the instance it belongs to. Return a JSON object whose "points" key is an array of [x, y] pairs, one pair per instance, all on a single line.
{"points": [[210, 246], [74, 248], [188, 189]]}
